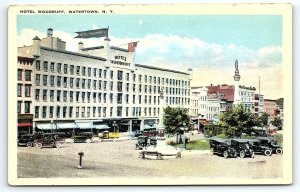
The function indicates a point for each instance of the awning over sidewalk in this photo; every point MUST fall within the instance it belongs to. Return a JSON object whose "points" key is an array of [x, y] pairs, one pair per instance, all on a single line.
{"points": [[66, 126], [84, 125], [104, 126], [46, 126], [150, 127], [24, 124]]}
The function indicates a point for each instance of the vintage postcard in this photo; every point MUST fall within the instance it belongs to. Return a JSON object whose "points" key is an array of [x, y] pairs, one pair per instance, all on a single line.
{"points": [[161, 94]]}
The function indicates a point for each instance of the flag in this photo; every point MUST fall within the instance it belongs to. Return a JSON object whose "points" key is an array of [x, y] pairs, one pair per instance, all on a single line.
{"points": [[132, 46], [93, 33]]}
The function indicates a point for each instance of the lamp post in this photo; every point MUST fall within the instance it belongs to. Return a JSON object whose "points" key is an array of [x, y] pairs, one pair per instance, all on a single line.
{"points": [[114, 125]]}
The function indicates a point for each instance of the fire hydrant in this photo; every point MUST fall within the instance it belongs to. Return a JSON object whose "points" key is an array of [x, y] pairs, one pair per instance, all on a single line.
{"points": [[80, 160]]}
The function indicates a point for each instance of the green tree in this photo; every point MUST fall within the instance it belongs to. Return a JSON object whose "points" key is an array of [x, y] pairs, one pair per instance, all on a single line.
{"points": [[263, 119], [238, 120], [174, 118], [277, 122]]}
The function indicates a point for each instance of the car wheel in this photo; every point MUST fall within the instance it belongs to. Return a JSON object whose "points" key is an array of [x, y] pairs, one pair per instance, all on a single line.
{"points": [[225, 154], [29, 144], [38, 145], [88, 141], [279, 151], [235, 154], [57, 144], [242, 154], [268, 152]]}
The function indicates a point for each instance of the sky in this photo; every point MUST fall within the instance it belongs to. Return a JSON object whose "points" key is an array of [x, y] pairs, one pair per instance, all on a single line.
{"points": [[209, 44]]}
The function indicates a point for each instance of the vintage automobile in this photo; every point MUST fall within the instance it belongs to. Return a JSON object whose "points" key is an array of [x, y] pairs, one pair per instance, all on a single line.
{"points": [[137, 133], [257, 148], [153, 141], [83, 137], [242, 147], [271, 143], [142, 142], [222, 147], [27, 140], [49, 140]]}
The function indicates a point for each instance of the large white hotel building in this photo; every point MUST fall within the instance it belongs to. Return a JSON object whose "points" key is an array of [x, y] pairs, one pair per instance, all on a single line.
{"points": [[96, 87]]}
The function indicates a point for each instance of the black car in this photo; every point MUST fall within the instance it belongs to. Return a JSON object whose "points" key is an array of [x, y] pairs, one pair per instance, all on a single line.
{"points": [[27, 140], [257, 148], [141, 142], [271, 143], [153, 141], [242, 147], [222, 147], [50, 140], [84, 137]]}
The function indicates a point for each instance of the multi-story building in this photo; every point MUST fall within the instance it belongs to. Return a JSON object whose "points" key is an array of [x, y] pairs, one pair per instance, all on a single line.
{"points": [[258, 106], [96, 87], [269, 106]]}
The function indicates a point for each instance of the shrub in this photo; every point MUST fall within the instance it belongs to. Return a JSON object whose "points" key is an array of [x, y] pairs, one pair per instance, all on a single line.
{"points": [[279, 138]]}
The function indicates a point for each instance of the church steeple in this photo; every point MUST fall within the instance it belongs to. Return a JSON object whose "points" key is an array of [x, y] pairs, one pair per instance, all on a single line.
{"points": [[236, 76]]}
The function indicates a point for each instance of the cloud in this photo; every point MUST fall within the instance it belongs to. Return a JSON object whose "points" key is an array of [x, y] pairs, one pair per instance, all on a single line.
{"points": [[212, 63]]}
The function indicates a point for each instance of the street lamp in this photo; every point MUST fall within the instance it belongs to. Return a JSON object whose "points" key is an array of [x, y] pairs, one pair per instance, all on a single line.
{"points": [[114, 125]]}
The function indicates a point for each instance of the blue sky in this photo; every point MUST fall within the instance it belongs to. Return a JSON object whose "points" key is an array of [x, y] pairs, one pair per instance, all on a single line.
{"points": [[207, 43]]}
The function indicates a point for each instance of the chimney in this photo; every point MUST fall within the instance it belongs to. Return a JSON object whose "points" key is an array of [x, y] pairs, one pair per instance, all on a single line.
{"points": [[36, 46], [49, 32], [107, 49], [80, 46]]}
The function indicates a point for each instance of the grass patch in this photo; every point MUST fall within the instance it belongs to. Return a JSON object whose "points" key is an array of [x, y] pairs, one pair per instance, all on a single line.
{"points": [[194, 145]]}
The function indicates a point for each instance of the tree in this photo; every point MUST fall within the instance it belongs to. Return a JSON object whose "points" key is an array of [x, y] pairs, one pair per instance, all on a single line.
{"points": [[263, 119], [238, 120], [277, 122], [174, 118]]}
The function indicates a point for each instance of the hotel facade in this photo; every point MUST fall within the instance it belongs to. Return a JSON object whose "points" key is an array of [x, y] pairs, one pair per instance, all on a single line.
{"points": [[95, 88]]}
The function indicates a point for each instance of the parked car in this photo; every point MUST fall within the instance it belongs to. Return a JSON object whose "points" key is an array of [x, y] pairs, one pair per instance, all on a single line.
{"points": [[141, 142], [242, 147], [222, 147], [138, 133], [271, 143], [50, 140], [153, 141], [27, 140], [257, 148], [84, 137]]}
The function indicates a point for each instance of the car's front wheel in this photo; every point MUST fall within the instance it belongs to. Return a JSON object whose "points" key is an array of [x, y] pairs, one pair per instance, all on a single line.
{"points": [[225, 154], [57, 144], [29, 144], [38, 145], [279, 151], [268, 152], [242, 154]]}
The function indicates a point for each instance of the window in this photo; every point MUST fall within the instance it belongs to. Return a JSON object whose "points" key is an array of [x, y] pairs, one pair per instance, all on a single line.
{"points": [[27, 75], [104, 97], [78, 70], [89, 71], [83, 71], [133, 99], [95, 72], [120, 75], [65, 82], [99, 97], [71, 96], [100, 84], [51, 112], [37, 79], [145, 78], [58, 95], [95, 84], [89, 84], [72, 69], [27, 106], [120, 85], [45, 65], [104, 111], [51, 95], [52, 67], [19, 107], [111, 96], [99, 111], [71, 82], [27, 90], [58, 81], [44, 111], [94, 111], [52, 80], [88, 111], [36, 111], [77, 96], [44, 80], [140, 78], [77, 112], [38, 65], [133, 87], [111, 74], [44, 95], [94, 97], [71, 112], [119, 98], [58, 67], [154, 79], [111, 85], [65, 95], [145, 99], [82, 111], [127, 76], [127, 87], [150, 79], [77, 82], [64, 112], [145, 88], [19, 90], [65, 68], [140, 88], [119, 111], [105, 85], [111, 112], [127, 98], [89, 96], [83, 83], [19, 74], [83, 96], [140, 99], [57, 111], [134, 77], [105, 73], [100, 73]]}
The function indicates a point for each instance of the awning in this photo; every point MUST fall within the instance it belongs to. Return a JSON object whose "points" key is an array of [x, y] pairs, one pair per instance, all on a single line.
{"points": [[104, 126], [66, 126], [85, 125], [150, 127], [46, 126], [24, 124]]}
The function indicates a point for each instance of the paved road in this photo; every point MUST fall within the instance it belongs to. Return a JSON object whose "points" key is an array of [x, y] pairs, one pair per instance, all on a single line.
{"points": [[113, 159]]}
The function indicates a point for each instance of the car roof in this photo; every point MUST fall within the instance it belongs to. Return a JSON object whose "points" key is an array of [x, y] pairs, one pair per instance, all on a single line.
{"points": [[218, 139]]}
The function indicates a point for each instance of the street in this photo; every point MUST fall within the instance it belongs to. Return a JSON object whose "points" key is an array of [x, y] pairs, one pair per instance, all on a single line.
{"points": [[114, 159]]}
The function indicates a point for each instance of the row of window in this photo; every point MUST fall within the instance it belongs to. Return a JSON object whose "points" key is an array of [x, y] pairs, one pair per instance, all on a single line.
{"points": [[26, 75], [27, 105], [27, 90], [86, 112], [99, 84], [78, 96], [88, 71]]}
